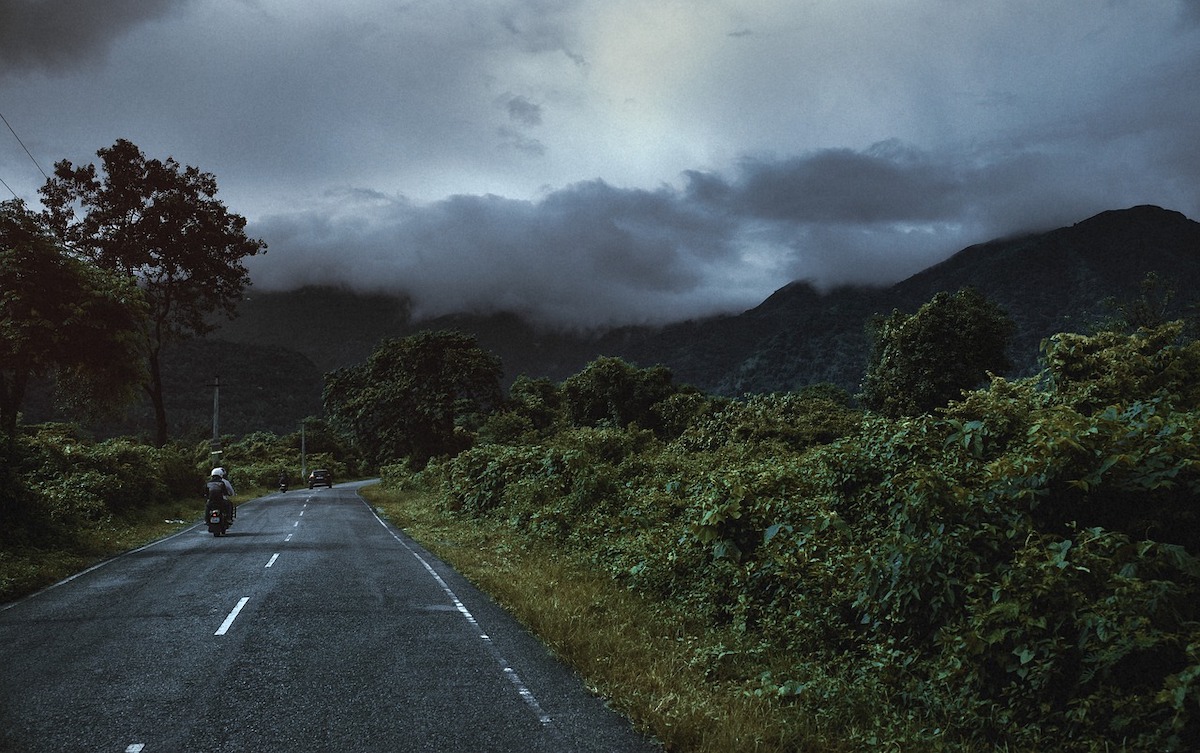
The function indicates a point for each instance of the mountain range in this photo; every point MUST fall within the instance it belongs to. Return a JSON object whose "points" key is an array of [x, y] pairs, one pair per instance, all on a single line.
{"points": [[272, 357], [1047, 282]]}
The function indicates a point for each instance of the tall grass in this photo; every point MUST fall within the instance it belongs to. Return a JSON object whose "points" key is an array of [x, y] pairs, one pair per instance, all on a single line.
{"points": [[638, 654]]}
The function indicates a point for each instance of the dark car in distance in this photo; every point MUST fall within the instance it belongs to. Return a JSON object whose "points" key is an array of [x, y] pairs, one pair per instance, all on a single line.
{"points": [[320, 477]]}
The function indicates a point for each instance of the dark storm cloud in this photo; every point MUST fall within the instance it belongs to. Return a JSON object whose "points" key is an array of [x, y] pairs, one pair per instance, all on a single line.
{"points": [[885, 183], [525, 115], [1191, 11], [585, 256], [59, 35], [617, 161], [593, 255]]}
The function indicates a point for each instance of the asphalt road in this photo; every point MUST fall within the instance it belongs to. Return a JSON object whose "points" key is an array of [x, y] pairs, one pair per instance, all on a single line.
{"points": [[312, 626]]}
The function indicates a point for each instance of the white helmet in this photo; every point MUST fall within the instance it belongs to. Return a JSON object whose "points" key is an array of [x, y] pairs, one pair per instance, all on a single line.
{"points": [[220, 472]]}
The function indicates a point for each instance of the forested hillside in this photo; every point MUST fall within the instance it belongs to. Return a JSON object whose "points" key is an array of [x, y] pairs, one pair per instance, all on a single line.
{"points": [[1062, 280], [1047, 282], [262, 388]]}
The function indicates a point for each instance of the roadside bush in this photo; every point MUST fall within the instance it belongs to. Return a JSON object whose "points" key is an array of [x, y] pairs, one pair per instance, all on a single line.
{"points": [[611, 392], [507, 427], [67, 482], [257, 459], [795, 420], [1016, 570], [1109, 368]]}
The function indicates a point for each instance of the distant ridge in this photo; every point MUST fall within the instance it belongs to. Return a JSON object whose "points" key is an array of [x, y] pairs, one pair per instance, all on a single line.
{"points": [[273, 355], [1048, 282]]}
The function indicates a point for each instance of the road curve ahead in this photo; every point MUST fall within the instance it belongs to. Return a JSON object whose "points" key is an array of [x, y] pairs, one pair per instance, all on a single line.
{"points": [[312, 626]]}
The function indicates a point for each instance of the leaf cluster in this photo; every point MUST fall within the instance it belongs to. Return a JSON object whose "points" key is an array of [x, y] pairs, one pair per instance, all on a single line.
{"points": [[59, 482], [63, 318]]}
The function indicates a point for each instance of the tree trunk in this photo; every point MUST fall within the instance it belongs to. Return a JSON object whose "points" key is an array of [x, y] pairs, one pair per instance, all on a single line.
{"points": [[12, 394], [154, 389]]}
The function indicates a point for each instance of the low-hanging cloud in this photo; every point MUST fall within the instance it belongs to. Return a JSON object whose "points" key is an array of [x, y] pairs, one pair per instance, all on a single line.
{"points": [[589, 163], [593, 255], [586, 256]]}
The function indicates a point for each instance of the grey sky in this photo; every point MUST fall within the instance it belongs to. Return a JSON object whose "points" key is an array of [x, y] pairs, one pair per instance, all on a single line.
{"points": [[593, 162]]}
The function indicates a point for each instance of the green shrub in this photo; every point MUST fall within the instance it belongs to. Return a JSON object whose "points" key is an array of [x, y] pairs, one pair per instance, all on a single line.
{"points": [[1015, 570]]}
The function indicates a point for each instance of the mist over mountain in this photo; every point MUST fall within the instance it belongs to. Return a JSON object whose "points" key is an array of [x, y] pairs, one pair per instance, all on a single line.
{"points": [[1048, 282], [271, 357]]}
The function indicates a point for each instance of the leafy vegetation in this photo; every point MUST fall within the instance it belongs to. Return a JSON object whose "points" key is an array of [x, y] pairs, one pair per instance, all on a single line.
{"points": [[922, 361], [1017, 570], [61, 318], [157, 224], [416, 397]]}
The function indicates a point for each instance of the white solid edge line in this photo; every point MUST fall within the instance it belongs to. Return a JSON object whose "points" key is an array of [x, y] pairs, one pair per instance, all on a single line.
{"points": [[108, 561], [97, 566], [519, 685], [232, 616]]}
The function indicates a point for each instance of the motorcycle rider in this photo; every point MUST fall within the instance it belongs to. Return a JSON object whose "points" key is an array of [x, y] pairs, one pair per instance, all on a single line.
{"points": [[283, 481], [230, 492], [219, 493]]}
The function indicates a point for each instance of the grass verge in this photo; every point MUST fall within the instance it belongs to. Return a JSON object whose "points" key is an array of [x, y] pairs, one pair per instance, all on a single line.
{"points": [[639, 655]]}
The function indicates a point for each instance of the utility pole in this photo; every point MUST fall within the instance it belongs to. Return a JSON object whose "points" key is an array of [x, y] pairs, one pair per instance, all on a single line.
{"points": [[215, 447]]}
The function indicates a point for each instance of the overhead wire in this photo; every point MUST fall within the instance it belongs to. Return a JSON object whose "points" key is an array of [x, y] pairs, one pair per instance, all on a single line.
{"points": [[27, 152], [22, 143]]}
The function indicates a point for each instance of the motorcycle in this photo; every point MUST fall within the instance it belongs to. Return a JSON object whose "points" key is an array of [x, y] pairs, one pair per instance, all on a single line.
{"points": [[282, 487], [217, 524]]}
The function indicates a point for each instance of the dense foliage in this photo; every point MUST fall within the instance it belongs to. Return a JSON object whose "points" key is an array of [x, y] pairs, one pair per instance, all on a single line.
{"points": [[258, 458], [158, 224], [417, 397], [61, 319], [922, 361], [1018, 570], [58, 482]]}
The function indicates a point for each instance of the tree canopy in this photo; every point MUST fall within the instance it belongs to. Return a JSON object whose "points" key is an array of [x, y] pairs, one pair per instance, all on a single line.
{"points": [[612, 391], [924, 360], [62, 317], [414, 395], [160, 224]]}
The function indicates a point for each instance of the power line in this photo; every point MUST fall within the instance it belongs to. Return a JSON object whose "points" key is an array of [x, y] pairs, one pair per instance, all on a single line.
{"points": [[22, 143], [14, 193]]}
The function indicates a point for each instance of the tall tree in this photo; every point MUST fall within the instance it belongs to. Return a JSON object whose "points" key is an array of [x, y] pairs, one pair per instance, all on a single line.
{"points": [[160, 224], [924, 360], [415, 397], [62, 317], [610, 390]]}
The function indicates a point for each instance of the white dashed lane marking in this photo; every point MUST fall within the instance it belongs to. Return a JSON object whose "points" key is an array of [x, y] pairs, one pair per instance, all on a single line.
{"points": [[232, 616]]}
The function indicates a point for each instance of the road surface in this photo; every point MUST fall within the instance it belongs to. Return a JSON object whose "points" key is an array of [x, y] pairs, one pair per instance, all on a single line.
{"points": [[311, 626]]}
